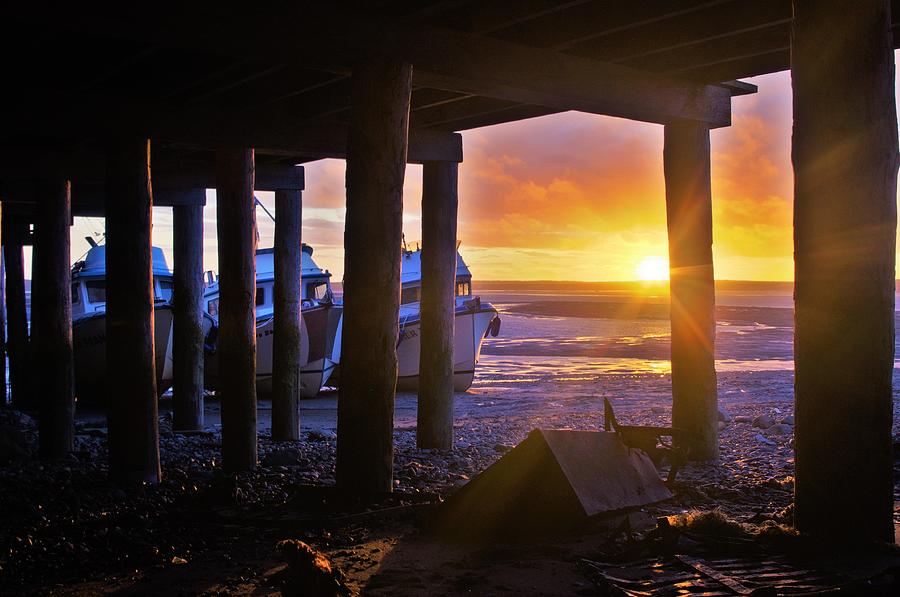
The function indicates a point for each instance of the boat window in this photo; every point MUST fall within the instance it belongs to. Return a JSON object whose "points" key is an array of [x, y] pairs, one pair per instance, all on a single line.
{"points": [[260, 297], [96, 291], [76, 293], [409, 295], [316, 290], [212, 307], [463, 288], [165, 290]]}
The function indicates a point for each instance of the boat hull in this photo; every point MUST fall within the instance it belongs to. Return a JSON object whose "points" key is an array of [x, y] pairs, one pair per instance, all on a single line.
{"points": [[470, 327], [317, 334], [89, 351]]}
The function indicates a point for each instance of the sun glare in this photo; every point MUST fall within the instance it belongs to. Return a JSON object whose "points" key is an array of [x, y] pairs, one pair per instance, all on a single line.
{"points": [[653, 268]]}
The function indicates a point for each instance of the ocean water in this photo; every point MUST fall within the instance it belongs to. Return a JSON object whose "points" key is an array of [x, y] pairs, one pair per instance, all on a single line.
{"points": [[562, 349]]}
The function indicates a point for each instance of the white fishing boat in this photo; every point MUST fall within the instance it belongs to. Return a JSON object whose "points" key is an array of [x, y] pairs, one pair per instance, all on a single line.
{"points": [[474, 321], [89, 323], [321, 317]]}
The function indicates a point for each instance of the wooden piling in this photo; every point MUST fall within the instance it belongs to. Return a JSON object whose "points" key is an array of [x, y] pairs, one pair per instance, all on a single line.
{"points": [[691, 285], [438, 305], [187, 322], [845, 177], [4, 401], [16, 315], [51, 320], [236, 224], [286, 343], [376, 164], [130, 362]]}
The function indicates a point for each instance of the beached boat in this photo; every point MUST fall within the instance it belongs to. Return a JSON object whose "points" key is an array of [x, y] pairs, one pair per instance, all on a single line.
{"points": [[321, 317], [474, 321], [89, 323]]}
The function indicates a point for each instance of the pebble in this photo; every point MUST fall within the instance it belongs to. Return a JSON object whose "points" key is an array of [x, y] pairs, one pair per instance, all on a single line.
{"points": [[743, 419], [724, 416], [763, 440], [780, 429], [763, 421], [788, 420]]}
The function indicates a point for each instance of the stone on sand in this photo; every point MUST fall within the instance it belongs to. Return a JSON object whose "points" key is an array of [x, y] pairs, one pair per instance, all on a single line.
{"points": [[763, 421]]}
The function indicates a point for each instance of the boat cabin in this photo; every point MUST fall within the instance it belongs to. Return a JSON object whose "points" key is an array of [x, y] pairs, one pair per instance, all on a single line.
{"points": [[411, 278], [89, 281], [315, 283]]}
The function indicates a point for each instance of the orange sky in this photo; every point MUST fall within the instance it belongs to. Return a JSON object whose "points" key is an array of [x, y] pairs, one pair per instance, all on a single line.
{"points": [[576, 197]]}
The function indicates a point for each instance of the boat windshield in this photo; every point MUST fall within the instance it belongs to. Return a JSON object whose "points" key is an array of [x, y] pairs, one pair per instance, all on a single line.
{"points": [[316, 289]]}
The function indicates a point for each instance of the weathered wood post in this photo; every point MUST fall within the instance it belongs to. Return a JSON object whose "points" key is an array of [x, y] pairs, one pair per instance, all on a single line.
{"points": [[131, 366], [236, 225], [2, 316], [439, 206], [845, 181], [691, 285], [51, 320], [15, 231], [287, 340], [376, 164], [187, 323]]}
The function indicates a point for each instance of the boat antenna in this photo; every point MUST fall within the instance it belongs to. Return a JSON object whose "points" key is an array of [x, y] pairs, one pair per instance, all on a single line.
{"points": [[403, 236], [259, 203]]}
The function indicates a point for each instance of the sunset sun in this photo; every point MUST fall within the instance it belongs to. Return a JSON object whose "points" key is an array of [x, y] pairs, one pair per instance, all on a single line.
{"points": [[653, 268]]}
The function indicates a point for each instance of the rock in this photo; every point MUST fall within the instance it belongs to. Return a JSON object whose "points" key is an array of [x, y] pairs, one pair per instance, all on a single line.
{"points": [[763, 440], [780, 429], [502, 448], [722, 425], [724, 416], [282, 457], [17, 419], [310, 572], [165, 425], [13, 445], [788, 420], [743, 419], [763, 421]]}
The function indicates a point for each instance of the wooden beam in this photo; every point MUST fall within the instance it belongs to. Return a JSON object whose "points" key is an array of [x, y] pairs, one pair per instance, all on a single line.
{"points": [[287, 343], [236, 353], [845, 224], [130, 352], [434, 427], [187, 317], [375, 172], [51, 321], [686, 162]]}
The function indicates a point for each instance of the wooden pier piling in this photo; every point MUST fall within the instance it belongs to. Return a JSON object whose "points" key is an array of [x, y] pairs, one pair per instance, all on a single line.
{"points": [[236, 222], [187, 322], [131, 366], [691, 285], [376, 164], [845, 220], [438, 305], [15, 230], [51, 320], [287, 313]]}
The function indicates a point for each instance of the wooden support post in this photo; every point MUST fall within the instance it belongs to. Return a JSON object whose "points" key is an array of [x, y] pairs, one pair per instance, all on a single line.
{"points": [[16, 315], [187, 323], [131, 366], [691, 284], [236, 220], [438, 314], [845, 220], [286, 350], [4, 401], [376, 160], [51, 320]]}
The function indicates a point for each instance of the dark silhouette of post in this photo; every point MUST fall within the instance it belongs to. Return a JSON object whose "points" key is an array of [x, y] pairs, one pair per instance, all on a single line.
{"points": [[845, 220], [51, 320], [187, 323], [376, 164], [131, 366], [3, 318], [15, 231], [439, 205], [286, 348], [236, 221], [691, 285]]}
